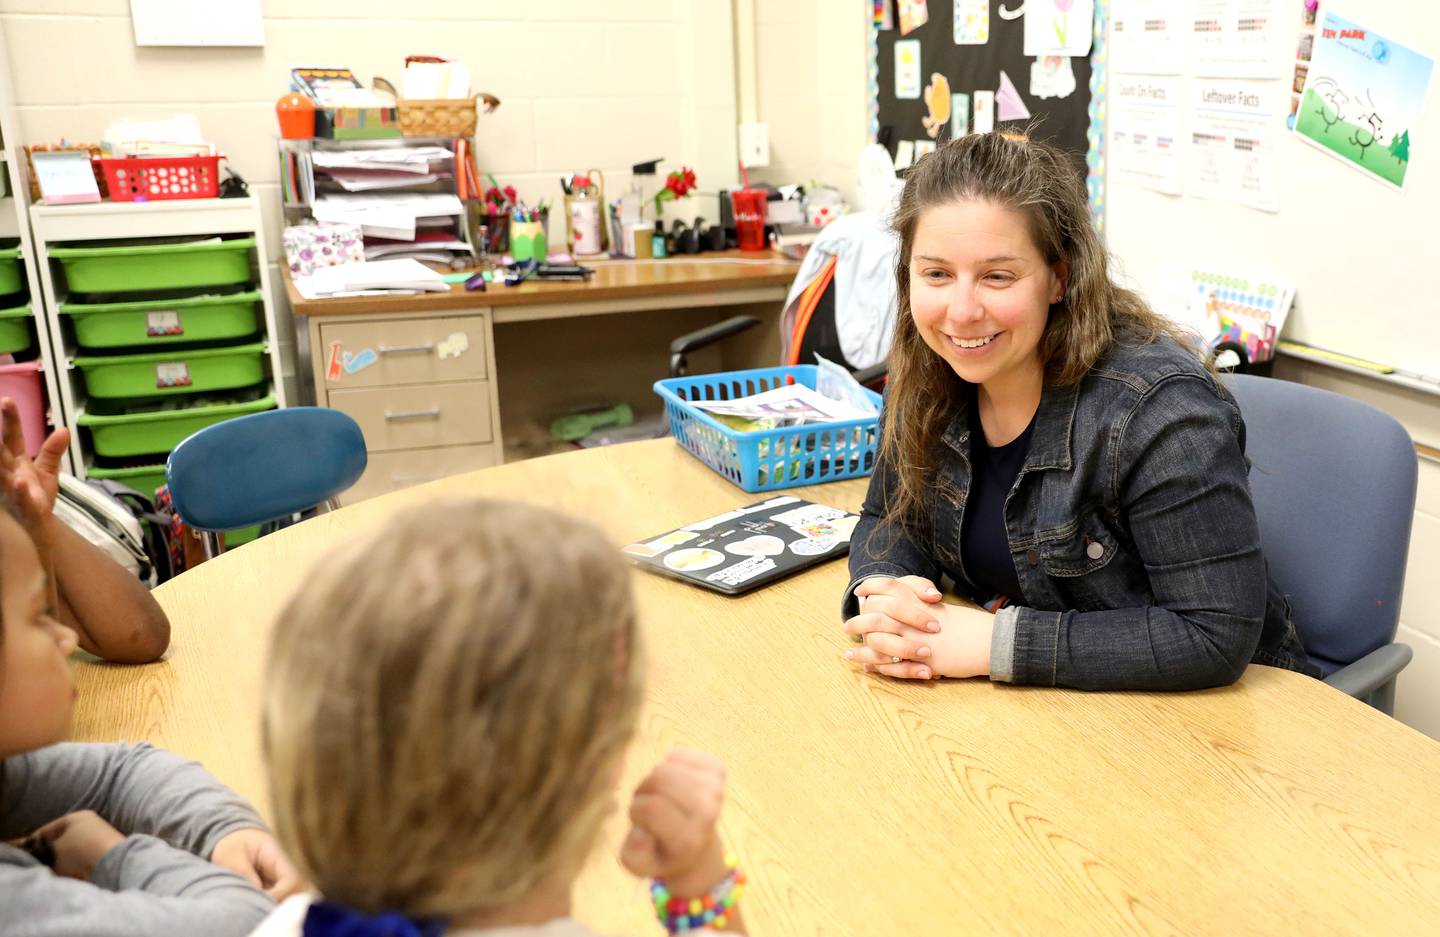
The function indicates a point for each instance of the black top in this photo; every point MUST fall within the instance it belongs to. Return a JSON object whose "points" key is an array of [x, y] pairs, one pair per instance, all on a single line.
{"points": [[984, 545]]}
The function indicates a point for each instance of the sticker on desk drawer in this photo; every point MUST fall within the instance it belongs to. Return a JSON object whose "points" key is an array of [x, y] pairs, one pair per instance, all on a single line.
{"points": [[742, 572], [172, 374], [455, 345], [693, 559], [163, 322], [359, 361], [336, 367]]}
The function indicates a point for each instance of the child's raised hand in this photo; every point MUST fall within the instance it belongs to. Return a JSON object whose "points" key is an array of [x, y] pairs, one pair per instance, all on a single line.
{"points": [[31, 483], [80, 840], [673, 836]]}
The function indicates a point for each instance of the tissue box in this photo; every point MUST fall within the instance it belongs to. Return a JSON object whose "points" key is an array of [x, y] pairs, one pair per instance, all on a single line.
{"points": [[308, 247]]}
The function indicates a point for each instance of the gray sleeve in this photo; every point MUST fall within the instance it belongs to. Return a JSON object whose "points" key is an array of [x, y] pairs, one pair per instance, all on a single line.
{"points": [[136, 788], [141, 886], [1002, 645]]}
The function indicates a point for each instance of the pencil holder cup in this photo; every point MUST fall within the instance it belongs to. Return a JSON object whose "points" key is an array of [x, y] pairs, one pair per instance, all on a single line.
{"points": [[527, 240]]}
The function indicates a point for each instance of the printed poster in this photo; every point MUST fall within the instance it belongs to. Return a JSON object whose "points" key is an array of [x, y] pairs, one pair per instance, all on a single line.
{"points": [[907, 68], [1145, 131], [1240, 38], [1147, 36], [1059, 27], [1233, 124], [913, 15], [972, 22], [1363, 96]]}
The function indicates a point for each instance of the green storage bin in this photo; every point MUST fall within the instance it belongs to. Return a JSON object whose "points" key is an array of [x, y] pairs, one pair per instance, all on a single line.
{"points": [[11, 278], [158, 322], [181, 371], [125, 268], [143, 478], [124, 435], [14, 329]]}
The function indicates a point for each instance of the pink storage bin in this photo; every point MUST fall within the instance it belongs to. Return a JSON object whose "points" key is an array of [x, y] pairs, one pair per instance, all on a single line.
{"points": [[22, 382]]}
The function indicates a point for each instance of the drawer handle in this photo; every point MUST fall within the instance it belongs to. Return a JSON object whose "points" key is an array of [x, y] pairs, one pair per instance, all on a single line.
{"points": [[406, 349], [432, 413]]}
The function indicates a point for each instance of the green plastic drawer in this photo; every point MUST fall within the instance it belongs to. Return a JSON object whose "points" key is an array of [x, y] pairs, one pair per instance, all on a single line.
{"points": [[143, 478], [156, 431], [159, 322], [11, 280], [178, 372], [14, 329], [125, 268]]}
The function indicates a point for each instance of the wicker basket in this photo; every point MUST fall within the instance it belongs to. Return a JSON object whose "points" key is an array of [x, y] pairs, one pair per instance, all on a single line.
{"points": [[442, 117]]}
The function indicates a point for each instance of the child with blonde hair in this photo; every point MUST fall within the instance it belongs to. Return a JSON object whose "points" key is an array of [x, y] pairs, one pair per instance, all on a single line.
{"points": [[446, 709]]}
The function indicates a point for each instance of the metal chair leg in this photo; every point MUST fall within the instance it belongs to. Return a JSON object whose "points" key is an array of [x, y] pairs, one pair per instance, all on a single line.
{"points": [[1383, 698], [214, 544], [332, 504]]}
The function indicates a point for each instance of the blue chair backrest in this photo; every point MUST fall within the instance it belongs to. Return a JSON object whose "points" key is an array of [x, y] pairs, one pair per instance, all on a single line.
{"points": [[1334, 487], [265, 466]]}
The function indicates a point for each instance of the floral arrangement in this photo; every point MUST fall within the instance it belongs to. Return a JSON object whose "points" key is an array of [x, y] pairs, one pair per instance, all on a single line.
{"points": [[678, 184]]}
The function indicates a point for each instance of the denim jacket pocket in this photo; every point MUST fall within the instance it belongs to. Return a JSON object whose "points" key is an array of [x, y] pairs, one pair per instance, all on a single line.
{"points": [[1077, 549]]}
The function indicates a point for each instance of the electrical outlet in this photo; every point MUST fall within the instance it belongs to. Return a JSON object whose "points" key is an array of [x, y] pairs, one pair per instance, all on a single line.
{"points": [[755, 145]]}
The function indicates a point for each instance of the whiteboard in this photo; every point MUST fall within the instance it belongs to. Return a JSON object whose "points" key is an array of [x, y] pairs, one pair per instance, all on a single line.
{"points": [[1364, 258], [197, 22]]}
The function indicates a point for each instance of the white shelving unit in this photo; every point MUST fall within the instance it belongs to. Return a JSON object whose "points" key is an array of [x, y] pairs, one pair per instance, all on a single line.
{"points": [[13, 226], [53, 225]]}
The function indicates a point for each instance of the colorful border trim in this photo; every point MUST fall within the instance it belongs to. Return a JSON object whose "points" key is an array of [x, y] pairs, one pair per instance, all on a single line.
{"points": [[1095, 133]]}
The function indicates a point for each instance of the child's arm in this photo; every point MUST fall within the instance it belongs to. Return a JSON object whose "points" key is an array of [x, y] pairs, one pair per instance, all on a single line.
{"points": [[673, 837], [113, 613], [138, 886]]}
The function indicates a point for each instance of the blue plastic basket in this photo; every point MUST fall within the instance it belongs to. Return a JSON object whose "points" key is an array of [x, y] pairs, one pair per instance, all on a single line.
{"points": [[764, 460]]}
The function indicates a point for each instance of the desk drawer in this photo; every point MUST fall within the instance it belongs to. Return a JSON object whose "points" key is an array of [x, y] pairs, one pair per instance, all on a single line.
{"points": [[403, 351], [391, 471], [420, 415]]}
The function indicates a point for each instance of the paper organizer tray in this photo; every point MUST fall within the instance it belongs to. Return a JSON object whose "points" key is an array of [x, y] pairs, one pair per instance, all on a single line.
{"points": [[764, 460], [177, 372]]}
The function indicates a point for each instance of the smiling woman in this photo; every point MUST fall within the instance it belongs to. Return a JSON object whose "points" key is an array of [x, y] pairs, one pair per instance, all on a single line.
{"points": [[1051, 445]]}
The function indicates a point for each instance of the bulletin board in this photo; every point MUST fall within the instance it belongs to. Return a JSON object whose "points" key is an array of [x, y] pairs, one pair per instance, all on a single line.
{"points": [[1361, 254], [1069, 115]]}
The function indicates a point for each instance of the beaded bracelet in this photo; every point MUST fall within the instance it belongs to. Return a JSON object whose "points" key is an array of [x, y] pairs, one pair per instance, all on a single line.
{"points": [[680, 915]]}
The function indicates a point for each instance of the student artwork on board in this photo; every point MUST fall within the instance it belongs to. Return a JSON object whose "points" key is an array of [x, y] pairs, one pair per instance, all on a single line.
{"points": [[1363, 95], [972, 22], [907, 68]]}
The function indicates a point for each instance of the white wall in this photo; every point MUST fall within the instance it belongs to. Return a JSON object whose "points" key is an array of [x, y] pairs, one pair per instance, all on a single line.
{"points": [[583, 83], [811, 84]]}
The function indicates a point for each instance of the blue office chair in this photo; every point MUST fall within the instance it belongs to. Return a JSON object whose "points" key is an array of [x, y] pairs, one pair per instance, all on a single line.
{"points": [[263, 467], [1334, 487]]}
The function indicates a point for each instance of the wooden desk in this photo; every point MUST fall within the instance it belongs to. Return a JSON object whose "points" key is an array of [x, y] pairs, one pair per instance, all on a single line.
{"points": [[427, 413], [865, 806]]}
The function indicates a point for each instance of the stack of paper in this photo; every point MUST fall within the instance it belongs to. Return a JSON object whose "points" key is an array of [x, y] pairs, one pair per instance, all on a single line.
{"points": [[416, 159], [395, 215], [177, 136], [372, 278], [787, 405]]}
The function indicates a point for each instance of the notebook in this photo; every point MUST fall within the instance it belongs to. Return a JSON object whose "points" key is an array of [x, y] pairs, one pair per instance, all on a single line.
{"points": [[750, 546]]}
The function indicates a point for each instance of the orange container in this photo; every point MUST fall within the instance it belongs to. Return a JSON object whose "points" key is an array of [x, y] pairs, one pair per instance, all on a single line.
{"points": [[297, 116]]}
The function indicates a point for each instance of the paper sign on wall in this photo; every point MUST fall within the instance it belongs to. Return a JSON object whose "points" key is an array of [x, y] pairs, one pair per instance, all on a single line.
{"points": [[907, 69], [984, 121], [1059, 27], [972, 22]]}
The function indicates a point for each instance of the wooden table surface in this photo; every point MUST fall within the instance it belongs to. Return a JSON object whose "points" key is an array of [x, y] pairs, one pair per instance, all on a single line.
{"points": [[723, 272], [867, 806]]}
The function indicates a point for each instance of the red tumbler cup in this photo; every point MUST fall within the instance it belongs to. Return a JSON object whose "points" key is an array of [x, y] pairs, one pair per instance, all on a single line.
{"points": [[749, 208]]}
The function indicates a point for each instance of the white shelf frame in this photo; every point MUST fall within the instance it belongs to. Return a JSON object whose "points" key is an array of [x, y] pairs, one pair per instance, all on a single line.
{"points": [[14, 224], [103, 221]]}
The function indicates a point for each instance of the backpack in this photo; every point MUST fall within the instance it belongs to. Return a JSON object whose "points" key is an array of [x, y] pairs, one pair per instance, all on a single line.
{"points": [[120, 521]]}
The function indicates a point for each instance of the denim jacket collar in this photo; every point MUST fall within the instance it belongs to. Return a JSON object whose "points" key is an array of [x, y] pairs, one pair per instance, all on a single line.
{"points": [[1049, 443]]}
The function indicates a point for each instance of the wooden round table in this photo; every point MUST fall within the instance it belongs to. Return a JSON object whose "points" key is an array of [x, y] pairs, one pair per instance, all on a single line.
{"points": [[862, 805]]}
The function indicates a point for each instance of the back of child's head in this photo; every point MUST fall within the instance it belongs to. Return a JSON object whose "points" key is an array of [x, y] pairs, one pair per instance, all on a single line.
{"points": [[446, 705]]}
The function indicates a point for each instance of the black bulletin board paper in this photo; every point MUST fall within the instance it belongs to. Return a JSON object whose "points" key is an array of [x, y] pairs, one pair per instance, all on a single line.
{"points": [[970, 68]]}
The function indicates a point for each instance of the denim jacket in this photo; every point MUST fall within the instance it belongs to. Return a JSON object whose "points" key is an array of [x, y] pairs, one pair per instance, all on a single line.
{"points": [[1132, 530]]}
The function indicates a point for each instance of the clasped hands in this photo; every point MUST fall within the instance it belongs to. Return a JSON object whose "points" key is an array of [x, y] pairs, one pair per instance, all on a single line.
{"points": [[908, 632]]}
